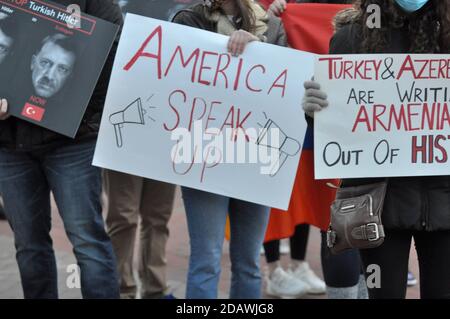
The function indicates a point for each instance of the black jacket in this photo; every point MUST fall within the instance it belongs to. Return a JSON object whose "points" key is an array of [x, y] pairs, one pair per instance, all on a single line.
{"points": [[21, 135], [412, 203]]}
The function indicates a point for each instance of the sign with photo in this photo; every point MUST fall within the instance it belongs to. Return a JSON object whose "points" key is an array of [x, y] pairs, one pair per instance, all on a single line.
{"points": [[158, 9], [184, 111], [388, 116], [50, 60]]}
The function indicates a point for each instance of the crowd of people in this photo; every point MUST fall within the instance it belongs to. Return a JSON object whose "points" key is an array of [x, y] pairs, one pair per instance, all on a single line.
{"points": [[39, 162]]}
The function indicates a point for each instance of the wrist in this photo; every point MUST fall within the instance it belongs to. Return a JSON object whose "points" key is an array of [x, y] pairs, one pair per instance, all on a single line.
{"points": [[261, 38]]}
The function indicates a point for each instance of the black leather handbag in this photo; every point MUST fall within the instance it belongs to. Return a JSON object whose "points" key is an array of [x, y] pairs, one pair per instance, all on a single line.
{"points": [[356, 218]]}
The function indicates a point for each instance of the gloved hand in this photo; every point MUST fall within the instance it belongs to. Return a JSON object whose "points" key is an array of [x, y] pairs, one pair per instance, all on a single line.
{"points": [[315, 99]]}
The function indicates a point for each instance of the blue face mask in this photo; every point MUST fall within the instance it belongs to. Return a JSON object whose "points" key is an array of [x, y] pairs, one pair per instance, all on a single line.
{"points": [[411, 5]]}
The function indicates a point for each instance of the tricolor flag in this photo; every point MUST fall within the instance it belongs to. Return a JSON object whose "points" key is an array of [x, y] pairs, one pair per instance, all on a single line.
{"points": [[309, 28]]}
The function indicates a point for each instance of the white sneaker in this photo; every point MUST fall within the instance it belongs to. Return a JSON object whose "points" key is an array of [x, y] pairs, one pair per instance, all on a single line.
{"points": [[280, 284], [305, 274]]}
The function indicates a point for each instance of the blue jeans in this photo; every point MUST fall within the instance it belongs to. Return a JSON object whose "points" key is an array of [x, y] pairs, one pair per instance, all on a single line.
{"points": [[206, 217], [26, 179]]}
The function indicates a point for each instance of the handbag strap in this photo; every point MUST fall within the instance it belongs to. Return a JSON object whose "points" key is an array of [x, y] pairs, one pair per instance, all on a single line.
{"points": [[369, 232]]}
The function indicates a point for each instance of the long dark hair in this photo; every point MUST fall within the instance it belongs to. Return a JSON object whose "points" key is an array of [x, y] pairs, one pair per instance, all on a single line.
{"points": [[245, 12], [428, 30]]}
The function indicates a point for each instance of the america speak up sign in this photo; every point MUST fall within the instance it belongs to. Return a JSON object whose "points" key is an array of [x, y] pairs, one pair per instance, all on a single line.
{"points": [[180, 109], [388, 116]]}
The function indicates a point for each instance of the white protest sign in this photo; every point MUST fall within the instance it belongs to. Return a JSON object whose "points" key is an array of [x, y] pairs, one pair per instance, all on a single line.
{"points": [[180, 109], [388, 116]]}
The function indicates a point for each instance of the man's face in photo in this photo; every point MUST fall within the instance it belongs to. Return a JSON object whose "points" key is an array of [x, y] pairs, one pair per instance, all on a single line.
{"points": [[5, 45], [51, 68]]}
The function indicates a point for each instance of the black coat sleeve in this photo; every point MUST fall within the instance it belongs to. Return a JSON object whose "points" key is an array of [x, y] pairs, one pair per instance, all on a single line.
{"points": [[187, 18], [107, 10], [193, 18], [110, 11]]}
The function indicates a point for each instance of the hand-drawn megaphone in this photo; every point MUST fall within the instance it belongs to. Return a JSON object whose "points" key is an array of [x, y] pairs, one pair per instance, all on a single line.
{"points": [[132, 114], [286, 145]]}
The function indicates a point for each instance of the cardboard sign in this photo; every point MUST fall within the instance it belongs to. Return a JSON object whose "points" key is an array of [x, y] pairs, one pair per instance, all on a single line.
{"points": [[388, 116], [50, 60], [184, 111]]}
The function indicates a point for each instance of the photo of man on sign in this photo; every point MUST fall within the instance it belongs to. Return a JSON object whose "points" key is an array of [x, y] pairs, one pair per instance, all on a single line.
{"points": [[49, 67], [7, 38], [52, 65], [48, 78], [9, 46]]}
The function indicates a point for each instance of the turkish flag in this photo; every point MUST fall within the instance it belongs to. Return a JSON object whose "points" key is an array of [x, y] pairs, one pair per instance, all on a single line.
{"points": [[33, 112]]}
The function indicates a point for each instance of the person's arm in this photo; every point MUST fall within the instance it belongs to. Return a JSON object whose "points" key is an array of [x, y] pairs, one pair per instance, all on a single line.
{"points": [[281, 38], [110, 11], [190, 18], [107, 10], [3, 109]]}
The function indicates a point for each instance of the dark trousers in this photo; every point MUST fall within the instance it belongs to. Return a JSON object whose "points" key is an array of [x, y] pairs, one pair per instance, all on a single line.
{"points": [[26, 179], [433, 251], [342, 270], [298, 242]]}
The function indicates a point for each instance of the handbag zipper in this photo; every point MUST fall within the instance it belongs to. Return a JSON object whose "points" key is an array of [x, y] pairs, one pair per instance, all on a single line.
{"points": [[351, 207]]}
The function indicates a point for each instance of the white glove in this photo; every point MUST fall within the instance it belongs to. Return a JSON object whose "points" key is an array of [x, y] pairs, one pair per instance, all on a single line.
{"points": [[315, 99]]}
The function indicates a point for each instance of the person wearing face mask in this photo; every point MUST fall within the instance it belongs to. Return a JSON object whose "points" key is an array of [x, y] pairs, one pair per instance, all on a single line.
{"points": [[343, 273], [410, 26], [244, 21]]}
